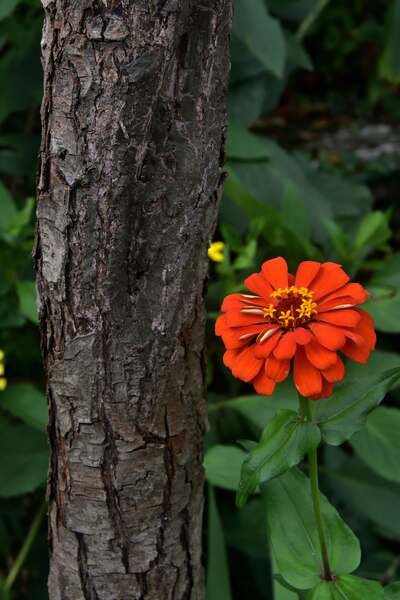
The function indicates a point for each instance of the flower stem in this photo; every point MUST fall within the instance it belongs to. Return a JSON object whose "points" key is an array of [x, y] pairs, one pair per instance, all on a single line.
{"points": [[23, 553], [306, 411]]}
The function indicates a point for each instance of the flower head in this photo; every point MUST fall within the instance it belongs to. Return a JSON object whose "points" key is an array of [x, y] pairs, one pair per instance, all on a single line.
{"points": [[3, 380], [308, 317], [216, 251]]}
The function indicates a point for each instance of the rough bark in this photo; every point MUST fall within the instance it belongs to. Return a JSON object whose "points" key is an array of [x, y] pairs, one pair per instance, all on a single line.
{"points": [[130, 176]]}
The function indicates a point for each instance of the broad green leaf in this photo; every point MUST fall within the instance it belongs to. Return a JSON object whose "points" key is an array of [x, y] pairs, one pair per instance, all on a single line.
{"points": [[7, 208], [345, 412], [27, 300], [371, 496], [218, 582], [242, 144], [389, 272], [378, 444], [379, 361], [223, 464], [23, 459], [7, 7], [259, 410], [284, 442], [261, 33], [389, 67], [347, 587], [373, 230], [25, 401], [245, 529], [384, 308], [392, 591], [294, 536], [21, 219]]}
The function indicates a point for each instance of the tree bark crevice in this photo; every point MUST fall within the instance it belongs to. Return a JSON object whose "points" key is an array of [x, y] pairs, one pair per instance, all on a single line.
{"points": [[130, 178]]}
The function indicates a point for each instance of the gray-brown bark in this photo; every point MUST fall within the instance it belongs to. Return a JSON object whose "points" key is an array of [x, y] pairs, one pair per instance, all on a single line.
{"points": [[130, 175]]}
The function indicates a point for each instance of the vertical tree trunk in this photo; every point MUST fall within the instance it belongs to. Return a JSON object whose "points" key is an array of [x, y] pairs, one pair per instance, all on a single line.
{"points": [[131, 171]]}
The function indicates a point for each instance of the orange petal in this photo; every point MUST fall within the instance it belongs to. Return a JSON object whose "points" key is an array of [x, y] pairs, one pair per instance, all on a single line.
{"points": [[220, 325], [257, 284], [276, 369], [229, 358], [237, 318], [276, 272], [366, 328], [246, 366], [306, 272], [336, 372], [239, 336], [327, 389], [286, 347], [359, 353], [351, 293], [320, 357], [329, 336], [263, 384], [344, 318], [307, 378], [264, 349], [330, 278], [303, 336], [238, 301]]}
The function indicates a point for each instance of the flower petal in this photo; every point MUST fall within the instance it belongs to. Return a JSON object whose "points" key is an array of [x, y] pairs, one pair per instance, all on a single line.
{"points": [[366, 328], [327, 389], [320, 357], [307, 378], [351, 293], [246, 366], [303, 336], [238, 301], [237, 318], [344, 318], [330, 278], [229, 358], [286, 347], [257, 284], [329, 336], [263, 384], [306, 272], [264, 349], [276, 272], [358, 352], [336, 372], [276, 369]]}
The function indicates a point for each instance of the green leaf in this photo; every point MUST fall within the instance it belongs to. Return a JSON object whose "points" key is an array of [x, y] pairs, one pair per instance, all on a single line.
{"points": [[389, 272], [218, 582], [242, 144], [368, 494], [261, 33], [27, 299], [23, 459], [294, 536], [392, 591], [21, 219], [378, 444], [284, 442], [347, 587], [26, 402], [373, 231], [7, 7], [245, 529], [389, 66], [384, 308], [7, 207], [379, 361], [223, 464], [345, 412]]}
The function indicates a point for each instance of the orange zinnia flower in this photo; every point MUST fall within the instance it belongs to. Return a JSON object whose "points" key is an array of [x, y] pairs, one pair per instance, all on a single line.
{"points": [[307, 317]]}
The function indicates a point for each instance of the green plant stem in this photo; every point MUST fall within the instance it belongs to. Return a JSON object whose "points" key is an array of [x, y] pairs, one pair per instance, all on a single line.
{"points": [[306, 412], [23, 553]]}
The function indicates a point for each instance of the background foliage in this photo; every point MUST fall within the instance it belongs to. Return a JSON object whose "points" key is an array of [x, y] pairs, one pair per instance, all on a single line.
{"points": [[313, 163]]}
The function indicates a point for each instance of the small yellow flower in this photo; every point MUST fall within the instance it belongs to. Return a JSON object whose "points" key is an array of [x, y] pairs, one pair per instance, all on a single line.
{"points": [[3, 380], [216, 251]]}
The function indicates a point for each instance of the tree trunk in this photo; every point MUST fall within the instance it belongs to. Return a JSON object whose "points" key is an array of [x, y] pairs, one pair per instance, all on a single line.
{"points": [[130, 176]]}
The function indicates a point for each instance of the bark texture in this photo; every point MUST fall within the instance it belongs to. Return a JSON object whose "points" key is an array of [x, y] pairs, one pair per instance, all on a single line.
{"points": [[130, 176]]}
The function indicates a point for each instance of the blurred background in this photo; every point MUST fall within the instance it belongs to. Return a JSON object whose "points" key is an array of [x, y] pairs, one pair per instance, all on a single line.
{"points": [[313, 161]]}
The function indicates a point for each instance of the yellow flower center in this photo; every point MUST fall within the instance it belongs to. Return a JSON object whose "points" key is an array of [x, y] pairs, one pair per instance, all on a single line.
{"points": [[294, 307]]}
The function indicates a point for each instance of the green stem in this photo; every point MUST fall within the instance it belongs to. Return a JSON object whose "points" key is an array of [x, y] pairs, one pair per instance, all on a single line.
{"points": [[23, 553], [306, 411]]}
